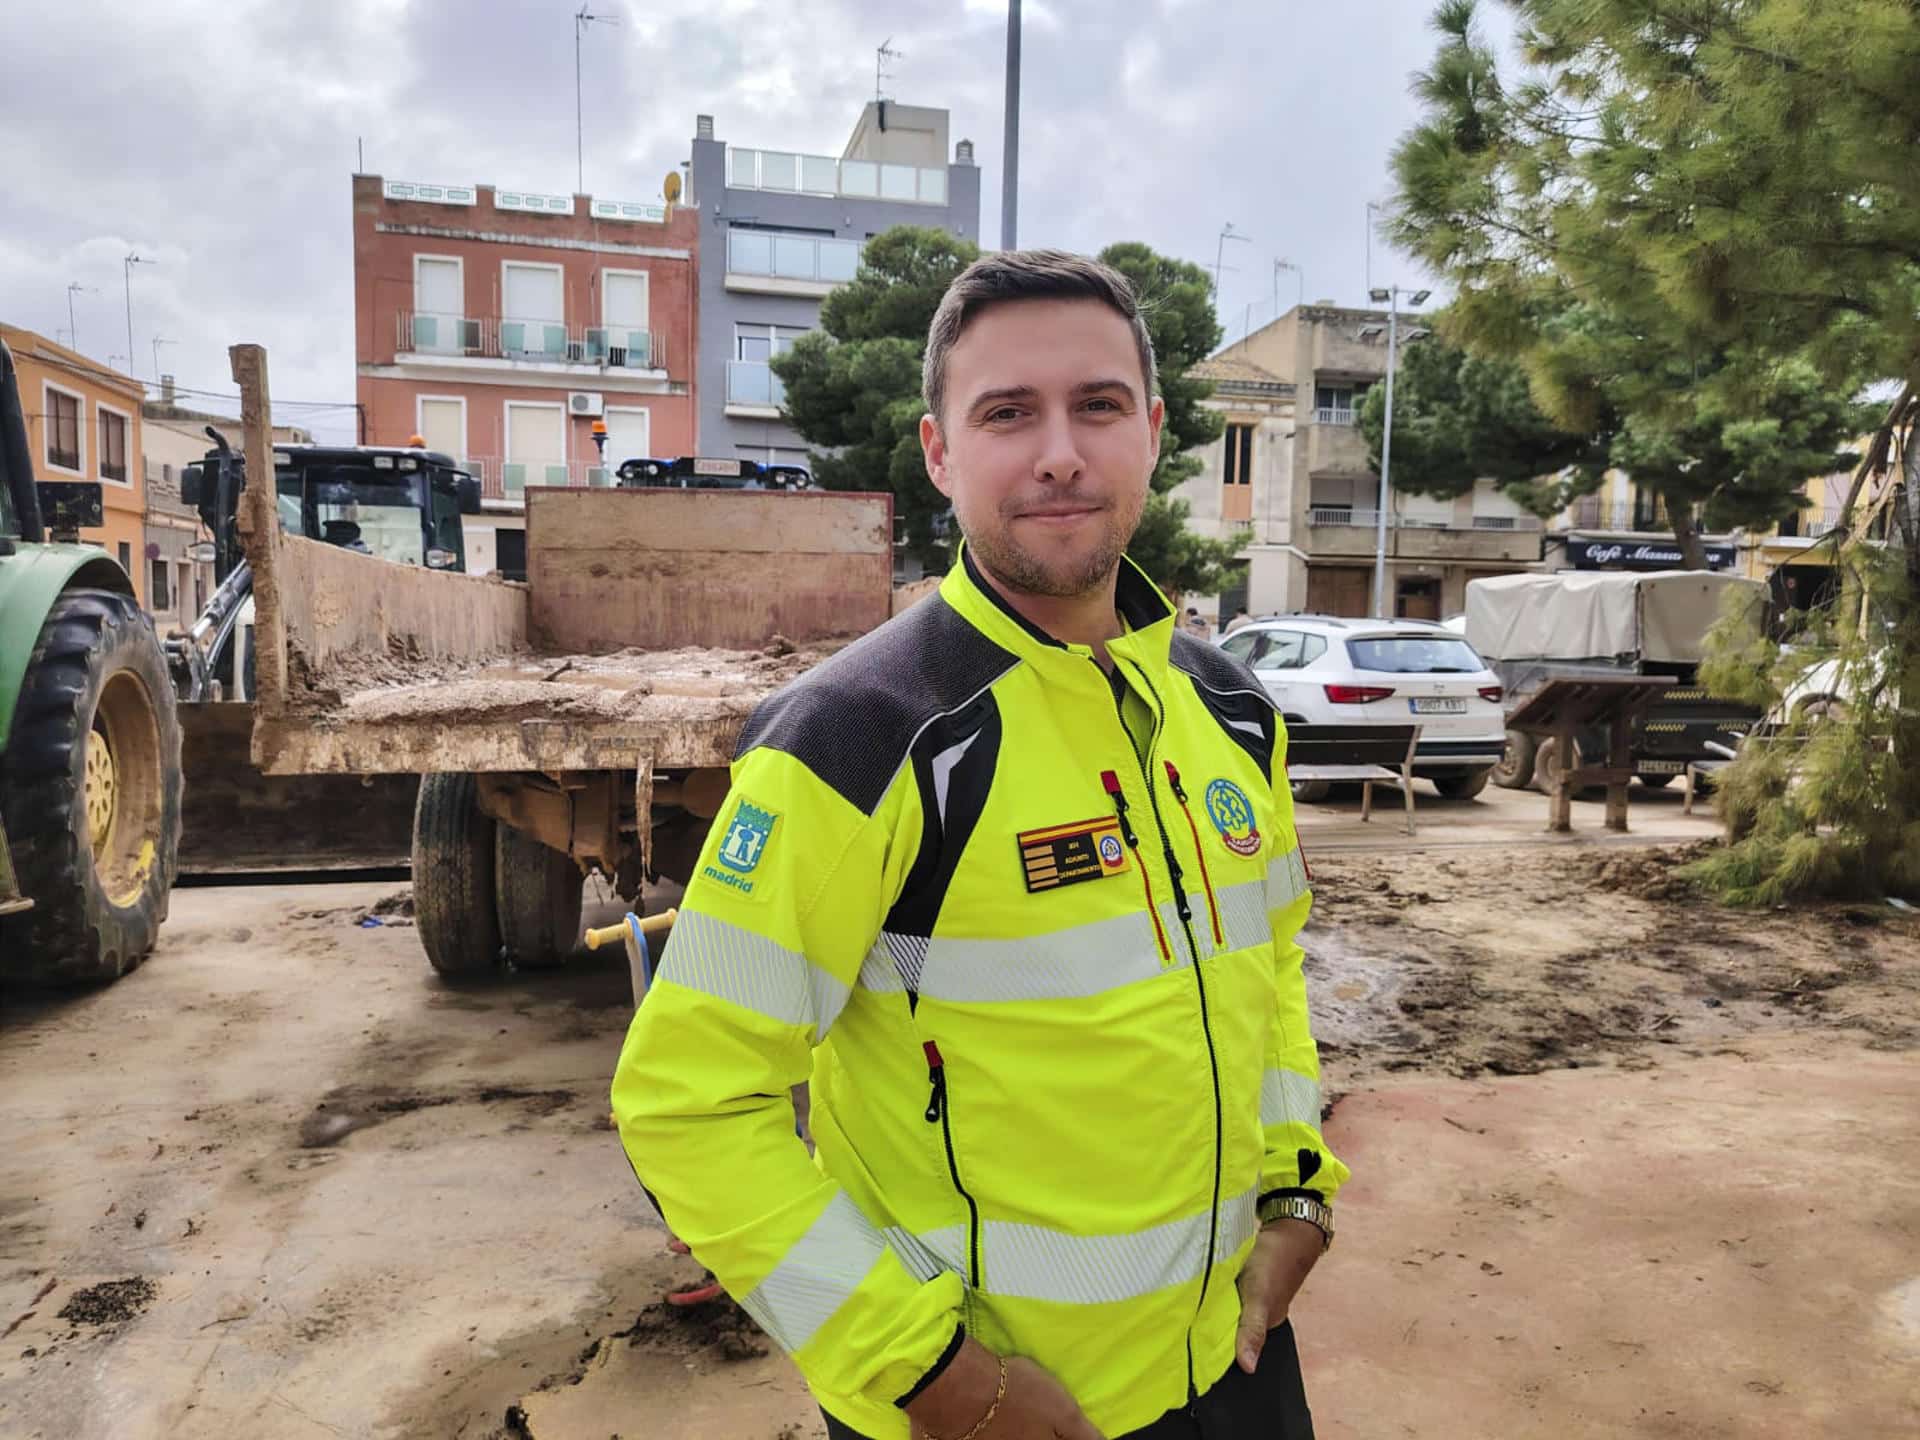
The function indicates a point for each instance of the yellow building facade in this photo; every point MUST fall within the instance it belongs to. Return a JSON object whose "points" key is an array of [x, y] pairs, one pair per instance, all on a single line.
{"points": [[83, 423]]}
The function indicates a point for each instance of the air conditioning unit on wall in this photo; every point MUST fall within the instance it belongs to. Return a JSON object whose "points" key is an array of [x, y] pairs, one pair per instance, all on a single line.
{"points": [[586, 402]]}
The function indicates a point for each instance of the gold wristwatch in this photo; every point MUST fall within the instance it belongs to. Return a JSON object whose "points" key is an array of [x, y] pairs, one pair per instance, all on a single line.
{"points": [[1316, 1213]]}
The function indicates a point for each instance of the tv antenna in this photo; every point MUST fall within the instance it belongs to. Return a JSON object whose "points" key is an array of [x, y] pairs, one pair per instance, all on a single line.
{"points": [[881, 74]]}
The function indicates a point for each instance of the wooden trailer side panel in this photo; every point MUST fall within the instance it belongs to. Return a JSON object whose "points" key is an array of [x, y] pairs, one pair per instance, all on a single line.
{"points": [[662, 569]]}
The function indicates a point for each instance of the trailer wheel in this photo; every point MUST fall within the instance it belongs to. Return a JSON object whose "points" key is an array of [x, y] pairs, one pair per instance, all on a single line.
{"points": [[1658, 782], [453, 876], [536, 897], [90, 791], [1515, 770], [1311, 792]]}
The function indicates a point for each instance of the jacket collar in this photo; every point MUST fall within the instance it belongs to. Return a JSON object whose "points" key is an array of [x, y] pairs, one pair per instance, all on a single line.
{"points": [[1147, 614]]}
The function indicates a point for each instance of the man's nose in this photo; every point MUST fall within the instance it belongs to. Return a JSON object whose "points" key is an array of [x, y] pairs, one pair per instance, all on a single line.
{"points": [[1058, 461]]}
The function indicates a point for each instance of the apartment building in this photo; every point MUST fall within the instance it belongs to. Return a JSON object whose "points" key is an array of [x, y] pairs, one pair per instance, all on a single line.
{"points": [[782, 229], [499, 325], [83, 423], [1291, 392]]}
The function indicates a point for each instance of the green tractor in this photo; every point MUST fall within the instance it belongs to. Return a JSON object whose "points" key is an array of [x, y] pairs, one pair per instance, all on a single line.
{"points": [[89, 741]]}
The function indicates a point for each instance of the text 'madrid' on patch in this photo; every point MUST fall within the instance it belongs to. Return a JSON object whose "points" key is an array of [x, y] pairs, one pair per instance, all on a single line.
{"points": [[1067, 854], [743, 847]]}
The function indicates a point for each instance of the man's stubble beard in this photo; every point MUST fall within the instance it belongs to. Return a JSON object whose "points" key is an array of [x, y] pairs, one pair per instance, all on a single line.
{"points": [[1014, 564]]}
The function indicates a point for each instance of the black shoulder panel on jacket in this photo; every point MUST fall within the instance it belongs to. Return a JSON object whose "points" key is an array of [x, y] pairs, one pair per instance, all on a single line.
{"points": [[852, 719], [1238, 702]]}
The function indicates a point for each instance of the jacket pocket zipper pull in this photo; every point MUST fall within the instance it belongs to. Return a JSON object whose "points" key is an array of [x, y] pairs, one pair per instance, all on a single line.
{"points": [[937, 1080], [1200, 853], [1111, 782]]}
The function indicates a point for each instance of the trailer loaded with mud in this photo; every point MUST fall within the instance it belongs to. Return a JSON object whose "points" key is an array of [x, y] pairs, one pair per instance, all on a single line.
{"points": [[580, 722]]}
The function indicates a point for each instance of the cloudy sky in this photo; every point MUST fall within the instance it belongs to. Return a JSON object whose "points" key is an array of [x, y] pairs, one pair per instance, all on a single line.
{"points": [[216, 139]]}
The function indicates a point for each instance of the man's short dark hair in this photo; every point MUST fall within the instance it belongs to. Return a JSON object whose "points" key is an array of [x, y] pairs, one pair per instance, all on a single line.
{"points": [[1027, 275]]}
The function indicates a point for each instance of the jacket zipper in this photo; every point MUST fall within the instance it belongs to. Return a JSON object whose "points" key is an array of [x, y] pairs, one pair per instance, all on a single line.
{"points": [[1112, 783], [1200, 983], [938, 1111], [1206, 880]]}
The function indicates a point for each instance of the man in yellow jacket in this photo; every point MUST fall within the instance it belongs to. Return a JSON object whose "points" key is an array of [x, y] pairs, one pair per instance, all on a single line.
{"points": [[1014, 882]]}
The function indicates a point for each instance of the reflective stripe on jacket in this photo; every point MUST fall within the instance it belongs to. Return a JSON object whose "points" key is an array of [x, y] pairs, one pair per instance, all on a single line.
{"points": [[1044, 982]]}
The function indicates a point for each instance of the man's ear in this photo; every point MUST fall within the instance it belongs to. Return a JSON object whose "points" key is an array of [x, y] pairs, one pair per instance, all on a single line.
{"points": [[933, 447], [1156, 417]]}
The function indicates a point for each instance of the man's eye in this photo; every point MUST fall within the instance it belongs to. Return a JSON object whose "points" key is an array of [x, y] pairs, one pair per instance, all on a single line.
{"points": [[1101, 403], [1002, 413]]}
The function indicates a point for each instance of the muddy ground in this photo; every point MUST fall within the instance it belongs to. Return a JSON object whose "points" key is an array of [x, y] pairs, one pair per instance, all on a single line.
{"points": [[1626, 1163]]}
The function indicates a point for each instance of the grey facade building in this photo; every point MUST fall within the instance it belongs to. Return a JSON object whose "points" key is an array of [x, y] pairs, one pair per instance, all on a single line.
{"points": [[780, 229]]}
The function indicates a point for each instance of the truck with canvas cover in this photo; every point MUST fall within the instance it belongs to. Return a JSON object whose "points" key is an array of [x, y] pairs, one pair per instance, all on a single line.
{"points": [[402, 505], [1578, 623], [89, 741], [580, 723]]}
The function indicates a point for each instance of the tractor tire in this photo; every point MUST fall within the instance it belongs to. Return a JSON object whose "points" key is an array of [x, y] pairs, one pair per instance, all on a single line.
{"points": [[1515, 770], [1658, 782], [90, 792], [1463, 786], [453, 876], [537, 895]]}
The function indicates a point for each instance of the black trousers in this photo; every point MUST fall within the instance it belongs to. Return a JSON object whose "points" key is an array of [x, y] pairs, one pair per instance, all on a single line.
{"points": [[1270, 1404]]}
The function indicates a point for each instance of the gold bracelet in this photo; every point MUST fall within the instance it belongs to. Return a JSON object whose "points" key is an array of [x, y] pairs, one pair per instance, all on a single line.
{"points": [[993, 1409]]}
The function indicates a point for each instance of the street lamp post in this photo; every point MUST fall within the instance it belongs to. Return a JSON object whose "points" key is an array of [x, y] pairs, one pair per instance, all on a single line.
{"points": [[1391, 298], [127, 269]]}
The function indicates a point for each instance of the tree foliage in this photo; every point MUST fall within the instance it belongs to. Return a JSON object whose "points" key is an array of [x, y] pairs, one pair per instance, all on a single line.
{"points": [[1523, 195], [1728, 186], [853, 388], [1459, 417]]}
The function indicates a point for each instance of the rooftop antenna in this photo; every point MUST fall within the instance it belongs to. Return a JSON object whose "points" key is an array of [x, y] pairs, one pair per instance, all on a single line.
{"points": [[74, 287], [582, 18], [1227, 232], [881, 74]]}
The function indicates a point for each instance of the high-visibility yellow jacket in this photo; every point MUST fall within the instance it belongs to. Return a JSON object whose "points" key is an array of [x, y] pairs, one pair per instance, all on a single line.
{"points": [[1031, 937]]}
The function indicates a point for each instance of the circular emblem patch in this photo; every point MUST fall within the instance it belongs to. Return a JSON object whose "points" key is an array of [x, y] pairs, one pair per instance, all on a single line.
{"points": [[1110, 849], [1232, 815]]}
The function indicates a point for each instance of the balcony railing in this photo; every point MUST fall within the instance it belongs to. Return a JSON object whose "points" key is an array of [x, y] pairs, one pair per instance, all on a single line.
{"points": [[752, 382], [820, 258], [824, 175], [1369, 519], [427, 333], [420, 332], [508, 479], [1327, 415]]}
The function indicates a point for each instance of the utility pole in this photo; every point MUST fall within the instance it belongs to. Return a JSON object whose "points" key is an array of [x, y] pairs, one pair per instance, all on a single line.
{"points": [[582, 18], [127, 271], [1010, 159]]}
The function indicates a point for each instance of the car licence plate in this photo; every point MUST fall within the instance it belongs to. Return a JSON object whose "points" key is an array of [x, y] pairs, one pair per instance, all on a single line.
{"points": [[716, 467], [1438, 705]]}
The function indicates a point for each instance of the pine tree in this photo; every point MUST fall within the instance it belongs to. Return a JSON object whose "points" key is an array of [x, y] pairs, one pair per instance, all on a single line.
{"points": [[1730, 184]]}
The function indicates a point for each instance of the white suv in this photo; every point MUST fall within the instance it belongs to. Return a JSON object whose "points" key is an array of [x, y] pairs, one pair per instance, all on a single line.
{"points": [[1326, 670]]}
